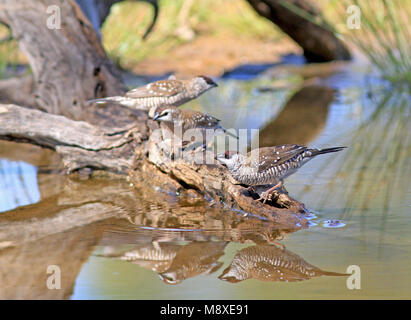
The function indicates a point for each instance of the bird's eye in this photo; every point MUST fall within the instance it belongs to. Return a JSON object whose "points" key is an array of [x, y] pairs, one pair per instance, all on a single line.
{"points": [[165, 113]]}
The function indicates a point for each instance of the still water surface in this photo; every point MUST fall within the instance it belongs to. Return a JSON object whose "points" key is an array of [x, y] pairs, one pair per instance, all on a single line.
{"points": [[112, 241]]}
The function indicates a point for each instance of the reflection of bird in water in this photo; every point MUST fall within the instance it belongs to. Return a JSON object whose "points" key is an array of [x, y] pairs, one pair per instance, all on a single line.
{"points": [[155, 257], [194, 259], [173, 262], [269, 263], [302, 118], [269, 165]]}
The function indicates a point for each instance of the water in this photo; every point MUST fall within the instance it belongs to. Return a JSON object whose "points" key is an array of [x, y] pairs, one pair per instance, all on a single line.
{"points": [[112, 241]]}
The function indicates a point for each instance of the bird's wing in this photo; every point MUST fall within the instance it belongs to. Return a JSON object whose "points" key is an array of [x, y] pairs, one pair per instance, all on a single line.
{"points": [[210, 121], [202, 120], [162, 88], [273, 156]]}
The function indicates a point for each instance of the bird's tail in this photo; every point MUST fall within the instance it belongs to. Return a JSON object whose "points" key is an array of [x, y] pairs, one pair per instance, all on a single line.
{"points": [[230, 134], [116, 99], [219, 127], [316, 152]]}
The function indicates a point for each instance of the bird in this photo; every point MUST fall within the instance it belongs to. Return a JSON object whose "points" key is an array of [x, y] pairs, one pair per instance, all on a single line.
{"points": [[187, 119], [170, 92], [269, 165]]}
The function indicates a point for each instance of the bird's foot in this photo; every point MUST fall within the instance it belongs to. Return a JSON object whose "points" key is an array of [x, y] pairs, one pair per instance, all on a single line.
{"points": [[251, 189], [268, 195]]}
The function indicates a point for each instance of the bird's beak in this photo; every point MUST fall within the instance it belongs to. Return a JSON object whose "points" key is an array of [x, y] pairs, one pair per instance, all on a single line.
{"points": [[156, 116], [221, 158], [215, 84]]}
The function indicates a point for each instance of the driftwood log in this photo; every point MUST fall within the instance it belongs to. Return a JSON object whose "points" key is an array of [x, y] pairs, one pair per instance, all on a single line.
{"points": [[60, 57], [69, 66]]}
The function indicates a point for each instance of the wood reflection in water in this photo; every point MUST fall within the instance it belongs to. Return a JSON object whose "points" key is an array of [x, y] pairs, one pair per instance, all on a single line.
{"points": [[302, 118], [23, 269]]}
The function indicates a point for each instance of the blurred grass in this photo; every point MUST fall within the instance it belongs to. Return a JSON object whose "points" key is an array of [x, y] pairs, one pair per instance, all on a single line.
{"points": [[376, 167], [124, 28], [384, 34]]}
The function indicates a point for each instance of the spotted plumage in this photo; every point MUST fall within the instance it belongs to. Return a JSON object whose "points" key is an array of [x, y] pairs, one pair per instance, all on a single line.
{"points": [[269, 263], [171, 92], [269, 165], [187, 119]]}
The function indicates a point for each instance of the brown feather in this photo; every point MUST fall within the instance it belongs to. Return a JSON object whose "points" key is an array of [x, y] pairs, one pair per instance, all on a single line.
{"points": [[269, 157], [198, 119], [162, 88]]}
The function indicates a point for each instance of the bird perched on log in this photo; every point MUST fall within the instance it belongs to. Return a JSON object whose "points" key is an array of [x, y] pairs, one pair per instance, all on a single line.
{"points": [[188, 119], [269, 165], [171, 92]]}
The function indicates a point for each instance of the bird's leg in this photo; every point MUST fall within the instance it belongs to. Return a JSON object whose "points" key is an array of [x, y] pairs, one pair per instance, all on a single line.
{"points": [[251, 189], [268, 195], [277, 244], [193, 146]]}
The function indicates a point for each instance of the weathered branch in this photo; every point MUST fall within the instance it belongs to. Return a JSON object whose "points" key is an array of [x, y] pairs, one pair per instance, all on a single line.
{"points": [[80, 143], [59, 57]]}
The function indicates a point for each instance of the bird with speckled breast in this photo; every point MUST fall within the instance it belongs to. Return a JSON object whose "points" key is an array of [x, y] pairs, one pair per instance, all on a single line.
{"points": [[171, 92], [188, 119], [269, 165]]}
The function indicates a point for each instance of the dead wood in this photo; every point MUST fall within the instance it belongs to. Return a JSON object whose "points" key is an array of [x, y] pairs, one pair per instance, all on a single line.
{"points": [[60, 57]]}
